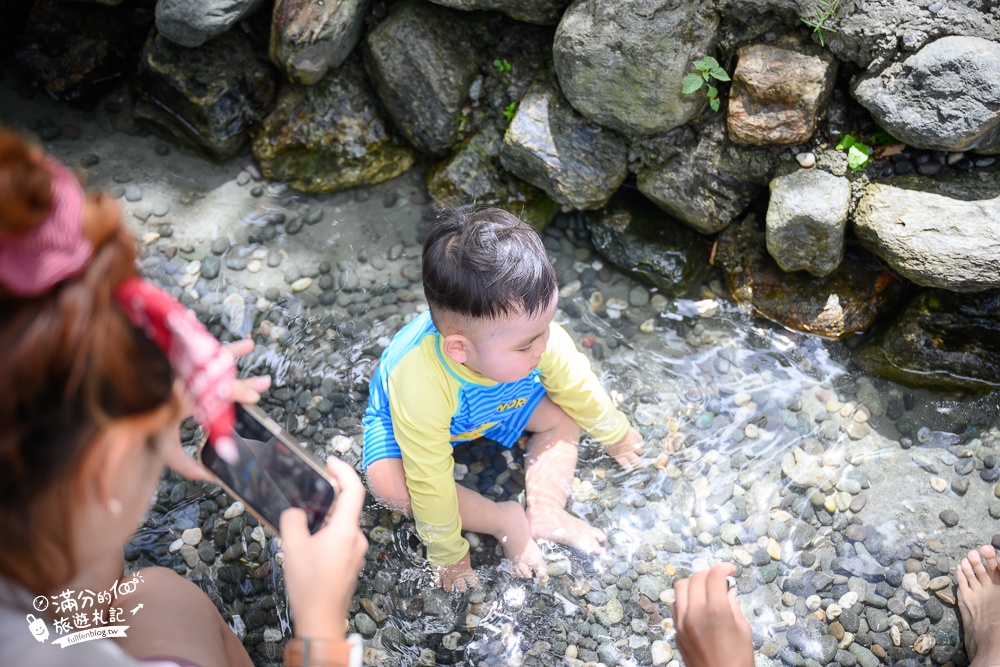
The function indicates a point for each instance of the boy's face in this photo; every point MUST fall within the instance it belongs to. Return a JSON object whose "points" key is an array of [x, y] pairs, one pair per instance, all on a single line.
{"points": [[508, 350]]}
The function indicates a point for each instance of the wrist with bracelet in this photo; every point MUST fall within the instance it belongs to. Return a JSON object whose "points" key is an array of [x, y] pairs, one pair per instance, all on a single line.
{"points": [[315, 652]]}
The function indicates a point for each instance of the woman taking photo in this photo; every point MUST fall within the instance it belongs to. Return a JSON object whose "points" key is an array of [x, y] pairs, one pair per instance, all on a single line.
{"points": [[97, 370]]}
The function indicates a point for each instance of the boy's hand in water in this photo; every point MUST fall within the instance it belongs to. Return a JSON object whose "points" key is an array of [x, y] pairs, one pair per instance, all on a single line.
{"points": [[711, 629], [458, 577], [628, 450]]}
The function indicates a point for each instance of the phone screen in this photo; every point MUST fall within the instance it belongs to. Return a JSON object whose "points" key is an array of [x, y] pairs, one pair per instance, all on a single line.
{"points": [[269, 477]]}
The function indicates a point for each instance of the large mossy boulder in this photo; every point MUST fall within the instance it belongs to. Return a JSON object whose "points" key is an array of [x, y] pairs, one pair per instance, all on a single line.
{"points": [[704, 180], [941, 341], [329, 136], [473, 173], [548, 144], [421, 62], [308, 38], [621, 62], [936, 233], [207, 97], [543, 12], [844, 303], [643, 241]]}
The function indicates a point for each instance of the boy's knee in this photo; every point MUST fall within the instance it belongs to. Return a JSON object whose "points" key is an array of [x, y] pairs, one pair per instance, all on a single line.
{"points": [[567, 424]]}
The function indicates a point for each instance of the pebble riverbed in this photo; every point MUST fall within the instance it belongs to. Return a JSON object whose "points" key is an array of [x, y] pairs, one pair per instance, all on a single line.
{"points": [[845, 501]]}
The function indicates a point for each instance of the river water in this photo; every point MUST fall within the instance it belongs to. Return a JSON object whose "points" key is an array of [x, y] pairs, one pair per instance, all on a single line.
{"points": [[764, 447]]}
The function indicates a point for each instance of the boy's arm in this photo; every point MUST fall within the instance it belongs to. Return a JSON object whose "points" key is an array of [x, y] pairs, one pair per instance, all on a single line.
{"points": [[421, 416], [572, 384]]}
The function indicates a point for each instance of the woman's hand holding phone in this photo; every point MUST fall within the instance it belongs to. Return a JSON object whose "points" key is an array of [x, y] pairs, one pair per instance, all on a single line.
{"points": [[246, 390], [321, 570]]}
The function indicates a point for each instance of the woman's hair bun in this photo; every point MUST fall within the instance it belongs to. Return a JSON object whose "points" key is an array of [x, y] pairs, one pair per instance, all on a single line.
{"points": [[25, 184]]}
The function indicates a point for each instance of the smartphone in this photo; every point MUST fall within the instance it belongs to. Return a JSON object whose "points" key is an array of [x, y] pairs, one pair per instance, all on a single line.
{"points": [[273, 472]]}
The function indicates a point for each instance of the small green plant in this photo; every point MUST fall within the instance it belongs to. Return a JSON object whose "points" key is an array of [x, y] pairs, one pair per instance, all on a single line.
{"points": [[882, 138], [502, 65], [858, 153], [509, 111], [707, 68], [820, 21]]}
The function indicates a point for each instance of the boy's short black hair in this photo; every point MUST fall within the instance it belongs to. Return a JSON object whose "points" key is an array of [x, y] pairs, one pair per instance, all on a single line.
{"points": [[485, 263]]}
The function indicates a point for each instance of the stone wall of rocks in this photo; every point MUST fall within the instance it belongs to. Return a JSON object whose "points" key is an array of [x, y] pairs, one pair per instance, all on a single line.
{"points": [[537, 105]]}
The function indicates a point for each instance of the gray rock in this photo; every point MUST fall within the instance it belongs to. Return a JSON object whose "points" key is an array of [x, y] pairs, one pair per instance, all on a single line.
{"points": [[611, 613], [865, 657], [944, 97], [878, 620], [210, 266], [421, 62], [620, 64], [935, 234], [650, 586], [779, 93], [549, 145], [205, 97], [806, 219], [543, 12], [705, 181], [365, 625], [870, 34], [191, 23], [309, 38]]}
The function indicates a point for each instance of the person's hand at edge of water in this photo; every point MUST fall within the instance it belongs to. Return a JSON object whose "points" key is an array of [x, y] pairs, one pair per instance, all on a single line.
{"points": [[458, 577], [711, 628], [245, 390], [628, 451], [321, 570]]}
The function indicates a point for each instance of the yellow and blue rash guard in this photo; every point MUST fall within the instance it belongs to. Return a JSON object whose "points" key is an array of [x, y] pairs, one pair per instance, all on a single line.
{"points": [[421, 404]]}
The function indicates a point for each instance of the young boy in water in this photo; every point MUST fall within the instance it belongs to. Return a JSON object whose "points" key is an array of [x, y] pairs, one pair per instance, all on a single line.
{"points": [[486, 360]]}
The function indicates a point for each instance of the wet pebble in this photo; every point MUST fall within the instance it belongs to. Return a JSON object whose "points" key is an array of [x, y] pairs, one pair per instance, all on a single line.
{"points": [[210, 267], [960, 485], [856, 532], [949, 517], [237, 263], [133, 193]]}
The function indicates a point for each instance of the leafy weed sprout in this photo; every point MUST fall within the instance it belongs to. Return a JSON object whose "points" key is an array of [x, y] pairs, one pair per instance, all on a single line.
{"points": [[502, 65], [859, 153], [509, 111], [820, 21], [706, 69]]}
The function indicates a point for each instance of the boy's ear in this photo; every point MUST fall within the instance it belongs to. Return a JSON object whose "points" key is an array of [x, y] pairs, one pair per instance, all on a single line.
{"points": [[456, 346]]}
